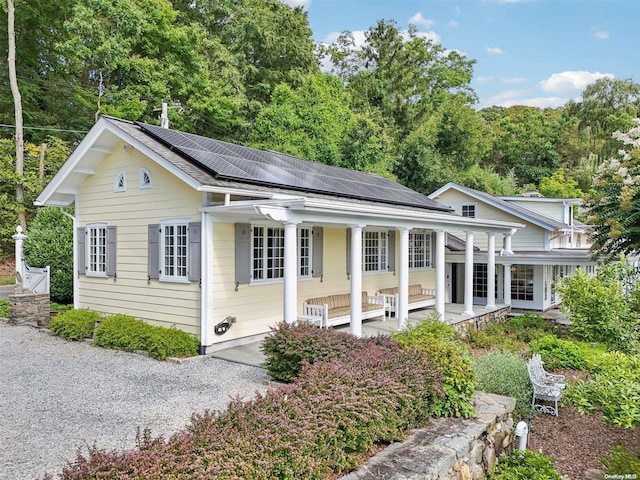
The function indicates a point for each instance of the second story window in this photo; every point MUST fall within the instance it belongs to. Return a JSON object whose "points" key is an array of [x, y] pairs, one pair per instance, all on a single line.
{"points": [[468, 210]]}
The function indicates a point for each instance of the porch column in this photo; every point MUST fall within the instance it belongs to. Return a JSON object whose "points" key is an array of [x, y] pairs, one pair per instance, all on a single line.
{"points": [[507, 243], [206, 271], [440, 273], [468, 275], [290, 272], [507, 283], [403, 280], [355, 269], [491, 271]]}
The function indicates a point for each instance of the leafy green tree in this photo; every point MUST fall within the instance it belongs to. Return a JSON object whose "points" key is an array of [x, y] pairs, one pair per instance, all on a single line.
{"points": [[559, 185], [614, 202], [606, 106], [50, 242]]}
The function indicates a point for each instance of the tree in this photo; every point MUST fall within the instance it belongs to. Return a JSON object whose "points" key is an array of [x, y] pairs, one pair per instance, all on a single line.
{"points": [[607, 105], [614, 203], [50, 243], [559, 185], [17, 105]]}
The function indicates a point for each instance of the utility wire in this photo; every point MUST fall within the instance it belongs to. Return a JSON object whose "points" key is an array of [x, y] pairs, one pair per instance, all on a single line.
{"points": [[46, 129]]}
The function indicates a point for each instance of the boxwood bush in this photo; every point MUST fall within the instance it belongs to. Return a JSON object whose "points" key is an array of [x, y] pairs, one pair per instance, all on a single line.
{"points": [[559, 354], [123, 332], [441, 344], [319, 426], [74, 324]]}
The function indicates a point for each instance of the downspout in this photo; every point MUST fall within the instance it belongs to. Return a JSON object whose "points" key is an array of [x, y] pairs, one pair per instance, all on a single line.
{"points": [[76, 280]]}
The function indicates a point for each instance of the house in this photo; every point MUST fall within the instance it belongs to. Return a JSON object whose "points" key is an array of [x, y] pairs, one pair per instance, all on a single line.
{"points": [[553, 244], [224, 241]]}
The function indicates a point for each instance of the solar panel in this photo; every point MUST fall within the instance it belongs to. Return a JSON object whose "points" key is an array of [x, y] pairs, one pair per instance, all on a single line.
{"points": [[234, 162]]}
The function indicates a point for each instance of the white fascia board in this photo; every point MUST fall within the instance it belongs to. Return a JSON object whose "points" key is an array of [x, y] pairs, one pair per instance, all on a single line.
{"points": [[441, 190]]}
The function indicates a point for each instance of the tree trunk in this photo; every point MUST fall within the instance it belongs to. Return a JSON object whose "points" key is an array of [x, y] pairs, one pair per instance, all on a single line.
{"points": [[17, 101]]}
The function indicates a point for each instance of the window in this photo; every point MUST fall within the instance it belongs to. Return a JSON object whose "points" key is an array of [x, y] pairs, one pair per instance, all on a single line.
{"points": [[174, 253], [144, 179], [480, 280], [96, 255], [97, 250], [121, 182], [468, 210], [267, 248], [419, 250], [374, 251], [522, 282]]}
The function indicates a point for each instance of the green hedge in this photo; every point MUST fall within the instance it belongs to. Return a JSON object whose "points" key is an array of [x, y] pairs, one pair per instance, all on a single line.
{"points": [[319, 426], [123, 332], [559, 354], [74, 324]]}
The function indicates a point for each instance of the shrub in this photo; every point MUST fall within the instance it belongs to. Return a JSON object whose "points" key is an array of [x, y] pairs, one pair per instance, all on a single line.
{"points": [[524, 465], [494, 337], [622, 462], [317, 427], [123, 332], [289, 345], [559, 354], [528, 327], [601, 308], [4, 308], [505, 373], [50, 242], [74, 324], [441, 344], [614, 390]]}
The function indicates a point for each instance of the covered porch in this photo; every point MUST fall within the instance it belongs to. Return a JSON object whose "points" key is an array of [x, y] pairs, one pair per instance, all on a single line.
{"points": [[250, 353]]}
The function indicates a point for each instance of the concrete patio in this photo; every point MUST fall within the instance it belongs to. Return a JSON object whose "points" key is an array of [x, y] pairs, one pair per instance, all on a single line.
{"points": [[250, 353]]}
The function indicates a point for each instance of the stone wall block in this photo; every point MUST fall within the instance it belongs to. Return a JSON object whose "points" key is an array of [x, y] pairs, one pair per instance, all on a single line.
{"points": [[29, 308]]}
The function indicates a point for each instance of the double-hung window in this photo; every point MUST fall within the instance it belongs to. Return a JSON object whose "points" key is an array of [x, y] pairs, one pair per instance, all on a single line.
{"points": [[468, 210], [267, 253], [419, 250], [375, 251]]}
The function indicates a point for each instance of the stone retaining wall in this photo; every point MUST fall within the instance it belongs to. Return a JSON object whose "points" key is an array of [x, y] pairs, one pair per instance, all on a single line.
{"points": [[28, 307], [478, 323], [448, 448]]}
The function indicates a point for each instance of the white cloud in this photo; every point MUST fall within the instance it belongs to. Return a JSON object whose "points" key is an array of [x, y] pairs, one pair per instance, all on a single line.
{"points": [[513, 80], [297, 3], [359, 38], [571, 82], [484, 79], [430, 35], [419, 21], [494, 50], [601, 34], [458, 10], [509, 98], [453, 24]]}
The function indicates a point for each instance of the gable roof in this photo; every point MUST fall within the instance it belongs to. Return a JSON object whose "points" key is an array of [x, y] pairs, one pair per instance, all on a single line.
{"points": [[201, 161], [536, 218]]}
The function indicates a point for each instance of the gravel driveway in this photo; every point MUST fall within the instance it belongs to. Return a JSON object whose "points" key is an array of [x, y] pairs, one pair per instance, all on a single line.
{"points": [[57, 397]]}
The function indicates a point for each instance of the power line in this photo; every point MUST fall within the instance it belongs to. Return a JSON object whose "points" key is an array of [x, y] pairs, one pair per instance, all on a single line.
{"points": [[51, 129]]}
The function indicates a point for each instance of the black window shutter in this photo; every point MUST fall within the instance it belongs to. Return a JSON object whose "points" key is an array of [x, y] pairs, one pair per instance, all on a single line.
{"points": [[82, 250], [317, 262], [153, 251], [195, 251], [243, 253], [112, 250]]}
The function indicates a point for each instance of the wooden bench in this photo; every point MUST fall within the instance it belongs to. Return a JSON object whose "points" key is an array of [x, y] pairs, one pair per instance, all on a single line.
{"points": [[547, 387], [336, 309], [418, 297]]}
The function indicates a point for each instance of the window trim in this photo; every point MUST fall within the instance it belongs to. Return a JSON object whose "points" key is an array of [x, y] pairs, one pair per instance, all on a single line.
{"points": [[175, 222], [141, 176], [95, 226], [384, 262], [467, 205], [117, 187], [427, 254], [266, 281]]}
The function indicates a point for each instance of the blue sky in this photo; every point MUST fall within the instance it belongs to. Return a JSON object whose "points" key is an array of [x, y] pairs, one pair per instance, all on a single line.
{"points": [[528, 52]]}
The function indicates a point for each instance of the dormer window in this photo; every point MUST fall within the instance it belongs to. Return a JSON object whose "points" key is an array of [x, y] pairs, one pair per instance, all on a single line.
{"points": [[144, 178], [121, 182]]}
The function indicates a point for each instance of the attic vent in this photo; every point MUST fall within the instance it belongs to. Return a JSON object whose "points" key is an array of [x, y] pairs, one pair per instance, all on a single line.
{"points": [[121, 182], [144, 179]]}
